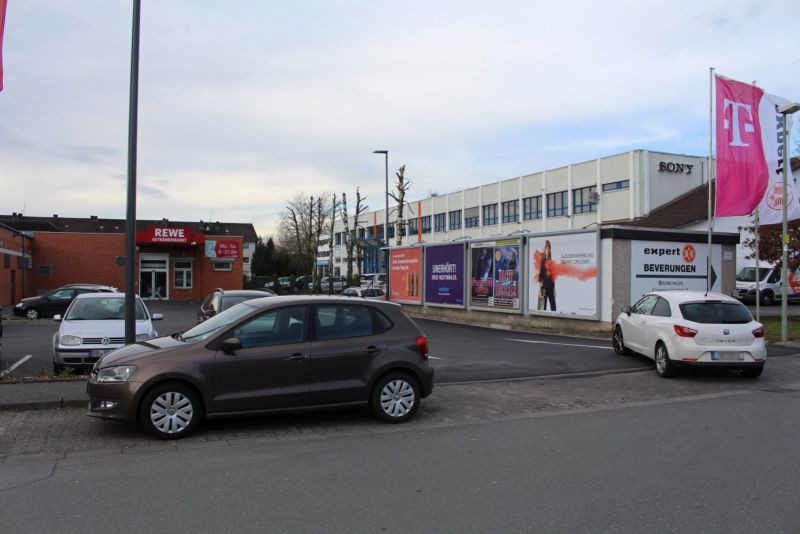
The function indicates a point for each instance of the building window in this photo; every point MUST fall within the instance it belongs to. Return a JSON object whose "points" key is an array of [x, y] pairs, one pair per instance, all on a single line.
{"points": [[411, 227], [584, 200], [426, 224], [455, 220], [247, 246], [183, 274], [471, 218], [246, 260], [490, 214], [379, 231], [338, 238], [7, 261], [440, 222], [361, 233], [532, 208], [557, 205], [511, 211], [44, 270], [391, 231], [222, 265], [616, 186]]}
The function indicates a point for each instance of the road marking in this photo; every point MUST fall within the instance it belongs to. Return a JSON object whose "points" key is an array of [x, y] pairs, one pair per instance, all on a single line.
{"points": [[565, 344], [433, 357]]}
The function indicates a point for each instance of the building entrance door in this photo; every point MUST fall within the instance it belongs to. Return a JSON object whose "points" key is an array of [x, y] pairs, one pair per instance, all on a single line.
{"points": [[153, 276]]}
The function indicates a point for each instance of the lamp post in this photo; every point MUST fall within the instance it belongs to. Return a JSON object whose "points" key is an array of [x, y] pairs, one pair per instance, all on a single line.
{"points": [[386, 219], [787, 169]]}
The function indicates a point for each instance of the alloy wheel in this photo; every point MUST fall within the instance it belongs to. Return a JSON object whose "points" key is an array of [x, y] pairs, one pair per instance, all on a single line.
{"points": [[171, 412]]}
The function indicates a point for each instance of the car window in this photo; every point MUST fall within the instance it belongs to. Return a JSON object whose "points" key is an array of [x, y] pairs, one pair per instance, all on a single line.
{"points": [[661, 309], [206, 305], [227, 302], [350, 293], [645, 305], [101, 310], [716, 312], [274, 327], [343, 321], [62, 294]]}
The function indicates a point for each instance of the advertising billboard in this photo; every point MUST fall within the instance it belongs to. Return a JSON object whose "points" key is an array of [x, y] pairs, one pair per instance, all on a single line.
{"points": [[672, 266], [405, 278], [445, 275], [563, 274], [222, 248], [494, 281]]}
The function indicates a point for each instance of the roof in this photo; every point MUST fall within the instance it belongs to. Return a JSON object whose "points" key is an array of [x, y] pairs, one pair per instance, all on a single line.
{"points": [[99, 225]]}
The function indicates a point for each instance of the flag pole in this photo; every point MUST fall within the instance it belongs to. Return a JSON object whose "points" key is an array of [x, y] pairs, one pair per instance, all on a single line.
{"points": [[758, 271], [710, 215]]}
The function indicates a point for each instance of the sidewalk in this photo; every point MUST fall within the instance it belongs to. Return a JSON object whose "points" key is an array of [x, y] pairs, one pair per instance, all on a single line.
{"points": [[41, 395]]}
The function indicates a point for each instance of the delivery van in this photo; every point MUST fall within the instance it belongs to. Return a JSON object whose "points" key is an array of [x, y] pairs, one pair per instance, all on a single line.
{"points": [[769, 285]]}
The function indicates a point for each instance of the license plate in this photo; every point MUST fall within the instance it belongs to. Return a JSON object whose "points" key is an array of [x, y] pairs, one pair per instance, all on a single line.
{"points": [[99, 353], [726, 356]]}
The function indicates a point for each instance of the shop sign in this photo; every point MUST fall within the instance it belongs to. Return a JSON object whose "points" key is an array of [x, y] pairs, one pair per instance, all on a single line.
{"points": [[173, 235], [670, 266], [222, 248]]}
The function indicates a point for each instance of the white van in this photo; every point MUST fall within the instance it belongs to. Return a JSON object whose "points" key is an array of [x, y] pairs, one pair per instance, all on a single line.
{"points": [[769, 285], [378, 280]]}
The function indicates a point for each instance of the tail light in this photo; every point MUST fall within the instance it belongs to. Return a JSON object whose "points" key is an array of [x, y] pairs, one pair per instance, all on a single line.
{"points": [[759, 332], [685, 331], [422, 345]]}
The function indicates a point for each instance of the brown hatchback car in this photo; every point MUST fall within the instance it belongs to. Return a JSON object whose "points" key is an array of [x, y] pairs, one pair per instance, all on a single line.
{"points": [[264, 355]]}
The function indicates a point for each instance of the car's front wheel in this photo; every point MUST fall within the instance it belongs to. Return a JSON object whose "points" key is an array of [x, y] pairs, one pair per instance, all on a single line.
{"points": [[395, 398], [664, 366], [170, 411], [32, 313], [619, 342]]}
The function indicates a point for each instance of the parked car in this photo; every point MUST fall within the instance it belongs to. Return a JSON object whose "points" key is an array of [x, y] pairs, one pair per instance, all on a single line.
{"points": [[56, 301], [303, 283], [364, 292], [375, 280], [267, 355], [338, 283], [221, 300], [681, 329], [93, 326], [770, 286]]}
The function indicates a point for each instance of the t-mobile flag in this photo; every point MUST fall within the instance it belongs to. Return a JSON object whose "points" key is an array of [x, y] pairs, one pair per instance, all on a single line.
{"points": [[742, 173], [2, 26], [770, 211]]}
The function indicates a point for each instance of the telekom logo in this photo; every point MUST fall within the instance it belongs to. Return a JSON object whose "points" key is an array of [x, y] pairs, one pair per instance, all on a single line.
{"points": [[737, 132]]}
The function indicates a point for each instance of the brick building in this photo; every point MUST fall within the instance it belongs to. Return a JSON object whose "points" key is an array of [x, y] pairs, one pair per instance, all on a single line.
{"points": [[174, 260]]}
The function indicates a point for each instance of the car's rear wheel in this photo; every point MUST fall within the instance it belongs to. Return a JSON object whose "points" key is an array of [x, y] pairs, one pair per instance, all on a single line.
{"points": [[395, 398], [32, 313], [664, 366], [619, 342], [170, 411], [753, 372]]}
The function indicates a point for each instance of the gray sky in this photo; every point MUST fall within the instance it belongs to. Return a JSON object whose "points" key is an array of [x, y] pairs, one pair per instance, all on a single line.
{"points": [[246, 102]]}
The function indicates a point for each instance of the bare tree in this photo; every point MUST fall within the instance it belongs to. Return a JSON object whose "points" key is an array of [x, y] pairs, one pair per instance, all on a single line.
{"points": [[361, 207], [301, 228], [402, 186], [334, 207]]}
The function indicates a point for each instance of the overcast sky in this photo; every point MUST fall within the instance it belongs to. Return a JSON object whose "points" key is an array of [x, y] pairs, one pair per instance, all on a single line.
{"points": [[246, 102]]}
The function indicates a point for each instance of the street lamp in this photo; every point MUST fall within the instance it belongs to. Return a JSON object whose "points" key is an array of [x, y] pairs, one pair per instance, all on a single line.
{"points": [[386, 220], [787, 169]]}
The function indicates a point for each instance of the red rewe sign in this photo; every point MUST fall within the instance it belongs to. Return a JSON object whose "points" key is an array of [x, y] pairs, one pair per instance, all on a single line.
{"points": [[222, 248], [165, 234]]}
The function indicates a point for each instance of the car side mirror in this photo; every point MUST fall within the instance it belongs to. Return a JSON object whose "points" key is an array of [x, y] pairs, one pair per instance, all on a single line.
{"points": [[626, 309], [230, 345], [57, 317], [157, 317]]}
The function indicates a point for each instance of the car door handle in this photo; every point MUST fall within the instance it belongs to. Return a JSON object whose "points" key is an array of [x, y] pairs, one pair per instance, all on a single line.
{"points": [[297, 357], [372, 349]]}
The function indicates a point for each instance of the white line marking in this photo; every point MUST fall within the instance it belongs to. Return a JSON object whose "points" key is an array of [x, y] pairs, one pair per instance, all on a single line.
{"points": [[433, 357], [565, 344]]}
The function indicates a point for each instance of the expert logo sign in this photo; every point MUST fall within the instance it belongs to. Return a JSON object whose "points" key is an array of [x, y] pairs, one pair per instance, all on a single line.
{"points": [[689, 254]]}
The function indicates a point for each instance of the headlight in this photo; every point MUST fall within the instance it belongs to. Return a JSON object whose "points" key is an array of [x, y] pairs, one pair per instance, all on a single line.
{"points": [[142, 337], [116, 374], [71, 340], [18, 305]]}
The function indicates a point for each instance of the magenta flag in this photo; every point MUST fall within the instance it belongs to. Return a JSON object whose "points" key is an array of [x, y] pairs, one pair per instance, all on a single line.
{"points": [[2, 26], [742, 173]]}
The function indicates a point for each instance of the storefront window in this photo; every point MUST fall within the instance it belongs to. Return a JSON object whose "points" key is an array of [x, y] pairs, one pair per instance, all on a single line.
{"points": [[183, 275], [222, 265]]}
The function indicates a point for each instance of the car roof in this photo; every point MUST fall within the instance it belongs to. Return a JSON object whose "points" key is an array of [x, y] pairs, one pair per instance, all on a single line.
{"points": [[84, 296], [679, 297], [86, 286], [244, 292], [313, 299]]}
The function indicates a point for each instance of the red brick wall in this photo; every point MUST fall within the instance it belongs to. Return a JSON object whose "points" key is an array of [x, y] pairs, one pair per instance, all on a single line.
{"points": [[11, 276], [91, 258]]}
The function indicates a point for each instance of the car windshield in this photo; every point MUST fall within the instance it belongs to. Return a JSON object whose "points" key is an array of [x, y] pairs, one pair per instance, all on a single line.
{"points": [[220, 321], [716, 312], [748, 274], [231, 301], [104, 309]]}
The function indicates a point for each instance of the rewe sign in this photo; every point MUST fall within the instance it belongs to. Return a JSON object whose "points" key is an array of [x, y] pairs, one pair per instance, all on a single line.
{"points": [[165, 234]]}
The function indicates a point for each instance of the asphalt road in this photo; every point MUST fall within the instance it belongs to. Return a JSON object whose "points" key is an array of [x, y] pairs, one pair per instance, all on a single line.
{"points": [[459, 353], [714, 462]]}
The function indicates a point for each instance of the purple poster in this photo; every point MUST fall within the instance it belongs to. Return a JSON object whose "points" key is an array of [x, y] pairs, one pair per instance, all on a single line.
{"points": [[444, 275]]}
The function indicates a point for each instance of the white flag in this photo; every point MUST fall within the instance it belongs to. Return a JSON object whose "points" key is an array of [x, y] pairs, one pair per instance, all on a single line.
{"points": [[770, 210]]}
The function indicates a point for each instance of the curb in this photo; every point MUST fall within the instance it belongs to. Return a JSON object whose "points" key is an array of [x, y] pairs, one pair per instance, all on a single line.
{"points": [[42, 405]]}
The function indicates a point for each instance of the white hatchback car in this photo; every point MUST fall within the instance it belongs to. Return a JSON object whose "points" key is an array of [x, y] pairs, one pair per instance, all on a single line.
{"points": [[93, 325], [691, 329]]}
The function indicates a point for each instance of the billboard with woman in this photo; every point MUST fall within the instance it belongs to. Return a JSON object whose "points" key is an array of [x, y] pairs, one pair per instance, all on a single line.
{"points": [[563, 274]]}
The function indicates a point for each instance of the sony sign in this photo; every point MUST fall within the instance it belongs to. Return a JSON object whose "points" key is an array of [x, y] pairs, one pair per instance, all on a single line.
{"points": [[675, 168]]}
